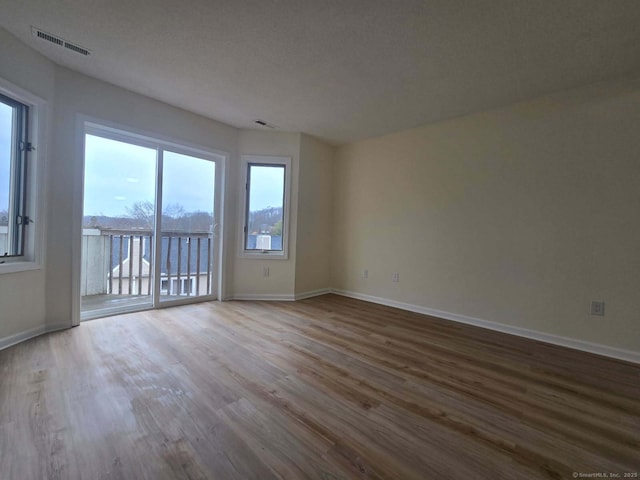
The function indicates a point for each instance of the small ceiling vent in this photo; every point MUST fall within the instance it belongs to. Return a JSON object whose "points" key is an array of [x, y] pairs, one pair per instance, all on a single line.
{"points": [[61, 42], [264, 124]]}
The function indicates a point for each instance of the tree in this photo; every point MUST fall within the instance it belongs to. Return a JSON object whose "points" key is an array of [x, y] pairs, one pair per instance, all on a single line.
{"points": [[143, 212], [265, 220], [174, 218], [277, 228]]}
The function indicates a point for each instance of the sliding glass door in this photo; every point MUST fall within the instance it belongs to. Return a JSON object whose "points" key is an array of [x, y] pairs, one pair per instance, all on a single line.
{"points": [[149, 225], [117, 227], [188, 225]]}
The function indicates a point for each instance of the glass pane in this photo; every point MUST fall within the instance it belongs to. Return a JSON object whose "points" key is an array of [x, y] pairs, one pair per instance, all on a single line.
{"points": [[265, 207], [117, 235], [6, 135], [188, 226]]}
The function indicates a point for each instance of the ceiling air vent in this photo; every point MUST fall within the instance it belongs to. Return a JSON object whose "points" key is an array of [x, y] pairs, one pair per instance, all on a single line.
{"points": [[264, 124], [41, 34], [77, 48]]}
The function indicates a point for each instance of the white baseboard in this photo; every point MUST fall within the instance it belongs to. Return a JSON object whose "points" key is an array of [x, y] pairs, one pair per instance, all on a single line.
{"points": [[285, 297], [14, 339], [312, 293], [620, 354]]}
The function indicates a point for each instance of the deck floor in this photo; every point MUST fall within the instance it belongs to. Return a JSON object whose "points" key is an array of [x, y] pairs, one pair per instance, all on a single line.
{"points": [[94, 304]]}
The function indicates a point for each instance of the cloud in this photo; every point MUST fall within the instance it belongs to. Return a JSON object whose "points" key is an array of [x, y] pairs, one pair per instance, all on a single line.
{"points": [[119, 198]]}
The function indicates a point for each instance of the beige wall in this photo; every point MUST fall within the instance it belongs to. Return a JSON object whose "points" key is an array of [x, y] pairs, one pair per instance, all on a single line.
{"points": [[77, 94], [248, 273], [520, 215], [22, 294], [307, 267], [314, 216]]}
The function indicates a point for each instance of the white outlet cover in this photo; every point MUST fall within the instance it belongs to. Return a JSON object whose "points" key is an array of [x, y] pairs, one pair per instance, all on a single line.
{"points": [[597, 308]]}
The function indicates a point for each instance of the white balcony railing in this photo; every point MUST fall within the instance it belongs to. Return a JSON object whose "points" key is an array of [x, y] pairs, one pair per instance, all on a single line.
{"points": [[119, 262]]}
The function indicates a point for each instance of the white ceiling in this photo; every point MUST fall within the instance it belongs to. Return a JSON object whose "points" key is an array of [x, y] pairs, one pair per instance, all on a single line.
{"points": [[341, 70]]}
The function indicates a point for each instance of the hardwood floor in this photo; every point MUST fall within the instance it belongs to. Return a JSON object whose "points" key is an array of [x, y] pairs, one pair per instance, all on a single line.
{"points": [[326, 388]]}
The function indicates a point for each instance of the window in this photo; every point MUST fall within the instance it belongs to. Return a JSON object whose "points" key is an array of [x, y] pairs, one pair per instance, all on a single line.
{"points": [[266, 205], [187, 286], [14, 147], [22, 120]]}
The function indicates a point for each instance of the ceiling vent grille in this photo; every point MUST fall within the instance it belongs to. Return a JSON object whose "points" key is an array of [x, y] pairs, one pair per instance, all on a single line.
{"points": [[264, 124], [60, 41], [77, 48]]}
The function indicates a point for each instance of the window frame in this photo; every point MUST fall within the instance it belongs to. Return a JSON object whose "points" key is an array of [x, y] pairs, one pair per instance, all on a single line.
{"points": [[124, 133], [265, 160], [17, 207], [32, 189]]}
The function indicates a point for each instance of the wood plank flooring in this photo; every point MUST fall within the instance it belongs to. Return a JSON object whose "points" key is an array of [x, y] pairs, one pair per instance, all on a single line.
{"points": [[325, 388]]}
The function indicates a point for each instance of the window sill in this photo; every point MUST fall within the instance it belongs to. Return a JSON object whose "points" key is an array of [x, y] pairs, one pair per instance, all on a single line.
{"points": [[14, 267], [264, 255]]}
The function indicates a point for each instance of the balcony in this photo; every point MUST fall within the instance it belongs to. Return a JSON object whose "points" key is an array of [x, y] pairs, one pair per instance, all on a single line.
{"points": [[117, 268]]}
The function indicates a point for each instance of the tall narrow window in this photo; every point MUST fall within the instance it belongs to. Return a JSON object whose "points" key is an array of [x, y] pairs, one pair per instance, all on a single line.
{"points": [[265, 205], [13, 176]]}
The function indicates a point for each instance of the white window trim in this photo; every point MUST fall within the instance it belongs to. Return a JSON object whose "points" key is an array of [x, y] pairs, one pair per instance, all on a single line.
{"points": [[268, 160], [33, 258]]}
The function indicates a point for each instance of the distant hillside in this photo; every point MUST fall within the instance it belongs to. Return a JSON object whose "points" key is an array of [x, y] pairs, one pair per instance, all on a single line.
{"points": [[200, 222], [267, 220], [141, 216]]}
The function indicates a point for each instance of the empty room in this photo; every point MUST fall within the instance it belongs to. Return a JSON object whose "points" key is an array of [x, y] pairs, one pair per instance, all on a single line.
{"points": [[292, 239]]}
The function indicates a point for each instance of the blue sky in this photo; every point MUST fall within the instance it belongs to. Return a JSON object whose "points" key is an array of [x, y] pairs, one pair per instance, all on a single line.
{"points": [[267, 184], [188, 181], [118, 174], [5, 149]]}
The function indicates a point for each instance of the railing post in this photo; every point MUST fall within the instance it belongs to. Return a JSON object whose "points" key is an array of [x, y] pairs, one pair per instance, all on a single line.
{"points": [[140, 264], [120, 265], [198, 267], [208, 265], [151, 262], [188, 266], [110, 264], [179, 262], [131, 237], [168, 266]]}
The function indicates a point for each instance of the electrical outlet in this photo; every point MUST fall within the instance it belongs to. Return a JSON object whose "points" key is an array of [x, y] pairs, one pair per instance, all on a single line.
{"points": [[365, 274], [396, 277], [597, 308], [265, 272]]}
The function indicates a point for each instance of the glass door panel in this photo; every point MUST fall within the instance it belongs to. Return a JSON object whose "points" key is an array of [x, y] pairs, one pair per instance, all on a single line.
{"points": [[186, 263], [117, 229]]}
